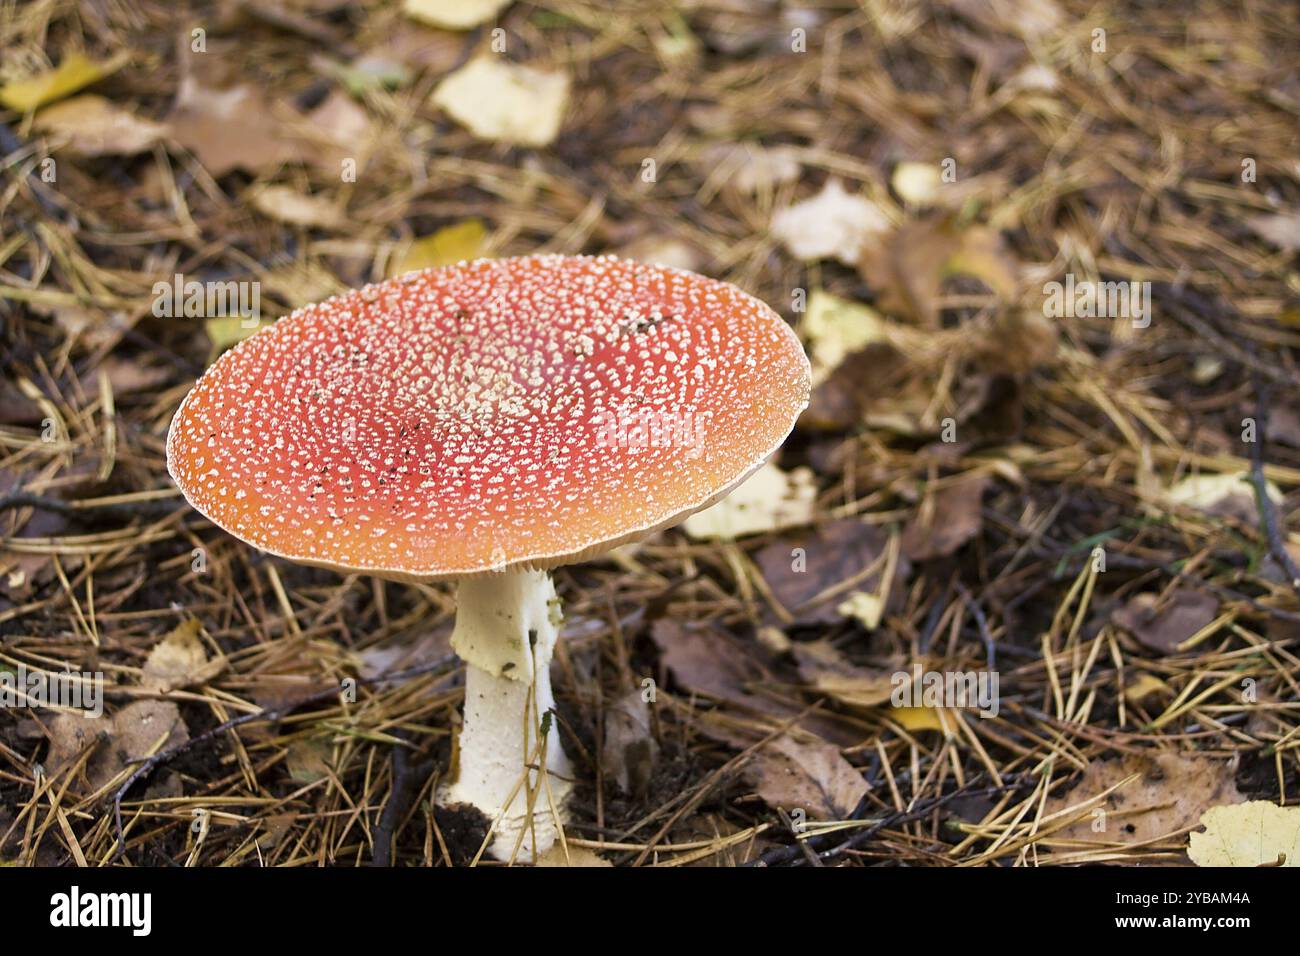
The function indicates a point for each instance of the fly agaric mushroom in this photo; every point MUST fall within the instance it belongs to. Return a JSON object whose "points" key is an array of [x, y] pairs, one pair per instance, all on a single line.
{"points": [[484, 423]]}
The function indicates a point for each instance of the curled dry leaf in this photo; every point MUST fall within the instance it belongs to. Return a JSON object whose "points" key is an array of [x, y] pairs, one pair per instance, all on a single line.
{"points": [[629, 750], [93, 126], [504, 102], [179, 660], [828, 671], [1258, 833], [909, 268], [292, 207], [1163, 626]]}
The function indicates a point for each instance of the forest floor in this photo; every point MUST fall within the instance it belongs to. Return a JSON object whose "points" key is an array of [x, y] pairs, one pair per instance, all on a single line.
{"points": [[1091, 504]]}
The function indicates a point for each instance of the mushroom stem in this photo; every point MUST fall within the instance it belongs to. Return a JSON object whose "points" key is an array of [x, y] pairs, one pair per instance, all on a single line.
{"points": [[506, 627]]}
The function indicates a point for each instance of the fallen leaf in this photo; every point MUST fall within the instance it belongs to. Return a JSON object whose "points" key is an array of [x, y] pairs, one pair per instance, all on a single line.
{"points": [[909, 268], [451, 244], [128, 376], [1163, 628], [76, 71], [1169, 795], [629, 750], [955, 519], [1148, 685], [179, 660], [1281, 230], [982, 254], [706, 662], [808, 775], [916, 719], [231, 128], [297, 209], [875, 385], [578, 856], [504, 102], [798, 569], [1257, 833], [770, 499], [1222, 496], [302, 282], [308, 759], [917, 184], [864, 607], [751, 168], [93, 126], [835, 328], [662, 251], [137, 730], [227, 330], [422, 48], [828, 671], [830, 225], [342, 131], [454, 14]]}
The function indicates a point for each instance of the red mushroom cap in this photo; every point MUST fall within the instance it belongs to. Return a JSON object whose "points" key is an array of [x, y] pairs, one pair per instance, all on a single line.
{"points": [[509, 412]]}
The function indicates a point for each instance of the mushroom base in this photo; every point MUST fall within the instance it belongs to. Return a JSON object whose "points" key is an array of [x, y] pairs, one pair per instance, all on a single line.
{"points": [[506, 628]]}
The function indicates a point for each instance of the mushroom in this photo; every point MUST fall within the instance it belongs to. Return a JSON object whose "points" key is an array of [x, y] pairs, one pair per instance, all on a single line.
{"points": [[484, 423]]}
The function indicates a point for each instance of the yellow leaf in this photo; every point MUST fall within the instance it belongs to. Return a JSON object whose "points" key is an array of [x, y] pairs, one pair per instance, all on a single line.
{"points": [[1247, 834], [981, 254], [449, 245], [454, 14], [226, 330], [1144, 687], [916, 183], [504, 102], [72, 74], [835, 328], [918, 718]]}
